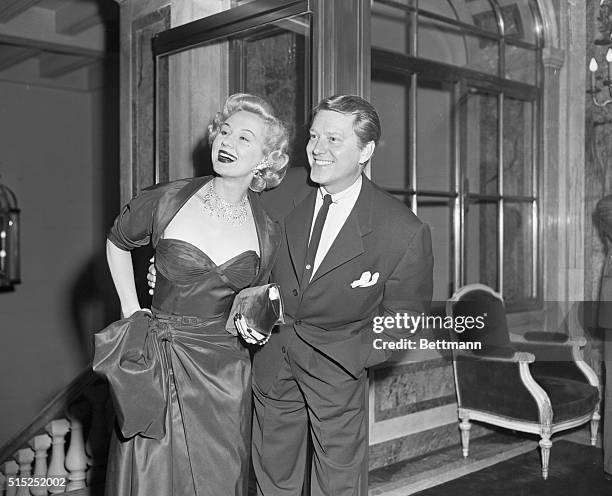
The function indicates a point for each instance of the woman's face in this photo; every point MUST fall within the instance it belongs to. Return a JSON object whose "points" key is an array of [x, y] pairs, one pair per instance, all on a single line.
{"points": [[238, 147]]}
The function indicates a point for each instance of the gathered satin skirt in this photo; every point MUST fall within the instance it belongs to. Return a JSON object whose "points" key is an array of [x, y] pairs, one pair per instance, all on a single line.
{"points": [[197, 441]]}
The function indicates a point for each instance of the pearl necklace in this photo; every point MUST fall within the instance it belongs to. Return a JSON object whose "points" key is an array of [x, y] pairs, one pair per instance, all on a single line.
{"points": [[232, 213]]}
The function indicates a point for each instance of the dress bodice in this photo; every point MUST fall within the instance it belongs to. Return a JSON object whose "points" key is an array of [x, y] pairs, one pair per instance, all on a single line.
{"points": [[190, 283]]}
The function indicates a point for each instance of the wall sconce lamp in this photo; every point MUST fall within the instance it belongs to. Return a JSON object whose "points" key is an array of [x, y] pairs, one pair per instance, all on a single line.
{"points": [[9, 240], [605, 30], [594, 90]]}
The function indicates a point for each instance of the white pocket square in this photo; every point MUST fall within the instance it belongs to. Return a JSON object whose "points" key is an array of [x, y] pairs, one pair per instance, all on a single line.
{"points": [[366, 279]]}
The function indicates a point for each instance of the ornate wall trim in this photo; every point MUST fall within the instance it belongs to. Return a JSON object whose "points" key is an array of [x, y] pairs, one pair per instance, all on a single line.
{"points": [[143, 96], [563, 175]]}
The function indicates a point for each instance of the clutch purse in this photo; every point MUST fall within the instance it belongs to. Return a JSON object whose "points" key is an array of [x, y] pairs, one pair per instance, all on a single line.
{"points": [[258, 309]]}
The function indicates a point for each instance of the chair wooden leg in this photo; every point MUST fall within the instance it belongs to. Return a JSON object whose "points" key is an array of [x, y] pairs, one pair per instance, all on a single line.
{"points": [[545, 445], [594, 427], [465, 427]]}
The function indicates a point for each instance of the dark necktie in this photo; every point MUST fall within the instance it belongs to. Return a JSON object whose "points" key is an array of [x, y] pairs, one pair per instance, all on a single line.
{"points": [[315, 238]]}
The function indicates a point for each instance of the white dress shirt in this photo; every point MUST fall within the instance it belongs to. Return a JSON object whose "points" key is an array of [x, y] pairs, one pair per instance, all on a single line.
{"points": [[339, 210]]}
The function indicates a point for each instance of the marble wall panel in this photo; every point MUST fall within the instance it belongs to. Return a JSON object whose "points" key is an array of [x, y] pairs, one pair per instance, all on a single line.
{"points": [[412, 387], [420, 443]]}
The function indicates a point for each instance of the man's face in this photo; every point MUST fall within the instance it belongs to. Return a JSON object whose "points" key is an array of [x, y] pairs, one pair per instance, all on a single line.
{"points": [[334, 151]]}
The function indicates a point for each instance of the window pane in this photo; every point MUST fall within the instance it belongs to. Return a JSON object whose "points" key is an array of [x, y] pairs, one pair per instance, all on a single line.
{"points": [[478, 13], [272, 61], [484, 16], [390, 28], [519, 22], [481, 246], [434, 136], [440, 7], [192, 91], [518, 251], [483, 54], [389, 94], [480, 142], [438, 213], [521, 64], [443, 42], [518, 147], [533, 23]]}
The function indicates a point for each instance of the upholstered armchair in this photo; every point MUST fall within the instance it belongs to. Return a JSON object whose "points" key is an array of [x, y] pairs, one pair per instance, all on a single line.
{"points": [[540, 385]]}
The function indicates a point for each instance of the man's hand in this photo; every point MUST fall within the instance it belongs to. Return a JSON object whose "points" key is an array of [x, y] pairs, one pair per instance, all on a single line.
{"points": [[151, 276]]}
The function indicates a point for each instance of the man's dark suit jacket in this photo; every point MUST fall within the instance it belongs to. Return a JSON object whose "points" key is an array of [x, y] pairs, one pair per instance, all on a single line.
{"points": [[381, 235]]}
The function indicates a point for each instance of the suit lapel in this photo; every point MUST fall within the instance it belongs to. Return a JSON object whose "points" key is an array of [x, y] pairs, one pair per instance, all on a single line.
{"points": [[349, 242], [297, 226]]}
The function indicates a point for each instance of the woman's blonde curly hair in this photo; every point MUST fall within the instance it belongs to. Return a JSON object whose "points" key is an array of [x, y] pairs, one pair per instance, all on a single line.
{"points": [[276, 142]]}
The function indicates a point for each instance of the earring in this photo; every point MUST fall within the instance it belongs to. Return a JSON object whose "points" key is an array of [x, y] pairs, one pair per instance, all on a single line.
{"points": [[264, 164]]}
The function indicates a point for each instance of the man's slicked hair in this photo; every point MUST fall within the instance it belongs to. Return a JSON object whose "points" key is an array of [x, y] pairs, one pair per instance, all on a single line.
{"points": [[366, 124]]}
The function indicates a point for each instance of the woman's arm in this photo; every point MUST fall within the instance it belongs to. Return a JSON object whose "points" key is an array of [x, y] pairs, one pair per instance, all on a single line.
{"points": [[122, 272]]}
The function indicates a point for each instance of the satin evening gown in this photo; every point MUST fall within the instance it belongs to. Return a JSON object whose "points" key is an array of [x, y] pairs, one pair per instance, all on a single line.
{"points": [[203, 448]]}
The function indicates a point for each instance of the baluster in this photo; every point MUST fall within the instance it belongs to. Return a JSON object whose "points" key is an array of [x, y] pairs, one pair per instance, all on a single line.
{"points": [[41, 445], [11, 469], [24, 457], [58, 430], [76, 459], [96, 445]]}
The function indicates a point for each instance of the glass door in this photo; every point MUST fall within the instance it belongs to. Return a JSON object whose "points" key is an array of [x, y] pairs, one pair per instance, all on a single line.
{"points": [[261, 47]]}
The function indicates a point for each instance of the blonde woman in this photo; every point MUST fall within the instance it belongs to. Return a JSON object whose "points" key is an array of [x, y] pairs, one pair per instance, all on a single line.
{"points": [[184, 403]]}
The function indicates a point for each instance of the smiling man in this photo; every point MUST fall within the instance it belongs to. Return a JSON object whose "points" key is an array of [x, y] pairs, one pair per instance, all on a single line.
{"points": [[351, 253]]}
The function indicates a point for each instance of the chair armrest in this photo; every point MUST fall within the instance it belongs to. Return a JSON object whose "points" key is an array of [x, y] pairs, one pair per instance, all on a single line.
{"points": [[496, 356], [546, 352], [551, 339], [557, 359]]}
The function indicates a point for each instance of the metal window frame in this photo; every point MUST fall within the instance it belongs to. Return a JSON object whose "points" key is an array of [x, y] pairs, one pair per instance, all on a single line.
{"points": [[415, 68], [226, 23]]}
